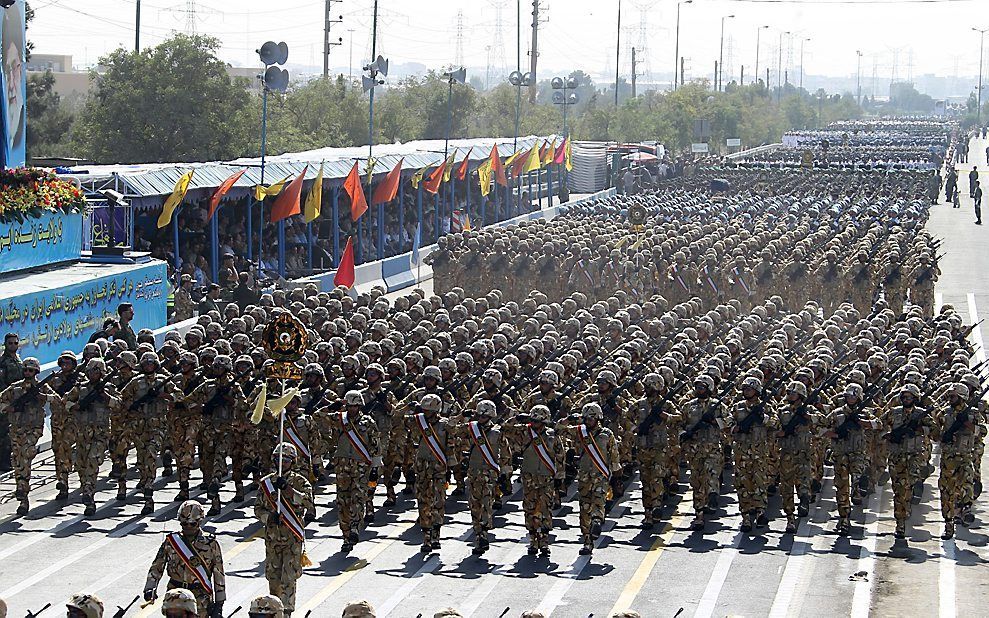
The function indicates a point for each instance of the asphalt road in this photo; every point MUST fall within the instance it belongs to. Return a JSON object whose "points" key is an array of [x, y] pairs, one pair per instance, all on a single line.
{"points": [[55, 551]]}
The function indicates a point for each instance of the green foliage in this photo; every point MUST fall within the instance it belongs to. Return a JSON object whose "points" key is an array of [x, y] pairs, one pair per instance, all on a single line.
{"points": [[49, 120]]}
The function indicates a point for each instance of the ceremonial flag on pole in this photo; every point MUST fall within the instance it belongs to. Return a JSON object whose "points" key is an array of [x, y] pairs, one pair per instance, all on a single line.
{"points": [[448, 166], [262, 399], [355, 190], [414, 260], [175, 199], [568, 155], [515, 162], [435, 179], [418, 176], [387, 189], [561, 152], [533, 162], [462, 170], [289, 202], [261, 192], [222, 190], [345, 272], [497, 168], [484, 177], [549, 154], [467, 226], [314, 201]]}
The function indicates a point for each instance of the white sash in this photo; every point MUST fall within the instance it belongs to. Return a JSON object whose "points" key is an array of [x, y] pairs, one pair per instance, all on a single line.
{"points": [[186, 553], [481, 442]]}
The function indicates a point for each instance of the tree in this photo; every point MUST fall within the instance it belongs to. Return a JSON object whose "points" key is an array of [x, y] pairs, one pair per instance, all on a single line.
{"points": [[48, 119], [174, 102]]}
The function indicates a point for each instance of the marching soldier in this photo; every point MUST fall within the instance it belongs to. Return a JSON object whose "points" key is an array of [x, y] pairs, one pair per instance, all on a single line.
{"points": [[704, 418], [24, 403], [598, 462], [122, 421], [192, 560], [11, 370], [653, 438], [383, 408], [184, 421], [430, 438], [89, 406], [281, 506], [796, 421], [848, 444], [488, 462], [959, 432], [752, 422], [63, 431], [910, 427]]}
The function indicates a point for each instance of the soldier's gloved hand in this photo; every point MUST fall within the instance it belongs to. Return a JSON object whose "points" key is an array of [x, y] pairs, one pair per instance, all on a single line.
{"points": [[149, 594], [215, 609], [280, 482]]}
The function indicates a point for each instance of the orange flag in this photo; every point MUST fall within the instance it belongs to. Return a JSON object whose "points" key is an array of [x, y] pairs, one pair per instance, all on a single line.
{"points": [[462, 170], [345, 272], [221, 191], [387, 189], [352, 185], [434, 180], [497, 168], [518, 165], [289, 201]]}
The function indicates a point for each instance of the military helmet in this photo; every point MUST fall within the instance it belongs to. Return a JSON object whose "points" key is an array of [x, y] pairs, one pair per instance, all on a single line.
{"points": [[314, 369], [149, 357], [90, 605], [853, 389], [270, 605], [911, 389], [608, 376], [550, 377], [797, 388], [492, 375], [487, 409], [752, 382], [354, 398], [191, 512], [32, 363], [432, 371], [540, 413], [592, 410], [127, 357], [222, 361], [706, 380], [431, 403], [960, 390], [179, 599], [286, 450], [653, 381]]}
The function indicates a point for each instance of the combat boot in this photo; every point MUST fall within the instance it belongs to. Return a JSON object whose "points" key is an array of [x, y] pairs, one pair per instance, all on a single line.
{"points": [[90, 506], [698, 522], [482, 544], [149, 502], [390, 497], [968, 517], [949, 530], [23, 507], [533, 544], [761, 521], [746, 523], [791, 524], [166, 465], [121, 489], [803, 509], [712, 503], [369, 513], [435, 540], [426, 545], [844, 526], [647, 521], [183, 494], [347, 545], [63, 490], [918, 492], [214, 505], [901, 529], [588, 547], [595, 528], [238, 491], [353, 538], [544, 550], [410, 484]]}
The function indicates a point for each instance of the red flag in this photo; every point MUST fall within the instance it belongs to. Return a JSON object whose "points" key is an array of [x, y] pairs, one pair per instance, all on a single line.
{"points": [[462, 170], [518, 165], [289, 201], [435, 178], [345, 272], [497, 168], [542, 151], [561, 152], [221, 191], [358, 204], [387, 189]]}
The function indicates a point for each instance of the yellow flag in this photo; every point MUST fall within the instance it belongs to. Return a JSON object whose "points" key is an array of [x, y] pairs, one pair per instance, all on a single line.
{"points": [[417, 177], [315, 199], [277, 405], [569, 162], [259, 405], [261, 192], [485, 177], [512, 158], [448, 166], [533, 163], [175, 199], [550, 154]]}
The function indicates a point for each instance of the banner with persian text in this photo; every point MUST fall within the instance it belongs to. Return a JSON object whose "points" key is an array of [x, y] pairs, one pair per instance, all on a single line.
{"points": [[63, 318], [48, 239]]}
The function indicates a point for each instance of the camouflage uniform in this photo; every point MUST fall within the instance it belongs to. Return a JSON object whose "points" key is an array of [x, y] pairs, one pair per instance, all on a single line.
{"points": [[486, 439], [25, 404], [10, 372], [751, 451], [907, 457], [358, 453], [849, 453], [185, 422], [957, 470], [703, 450], [593, 475], [432, 459], [184, 307], [63, 430], [653, 435], [89, 407]]}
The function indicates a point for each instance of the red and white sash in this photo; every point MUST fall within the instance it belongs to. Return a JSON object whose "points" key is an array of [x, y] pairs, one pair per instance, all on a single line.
{"points": [[481, 442], [541, 451], [284, 509], [187, 553], [429, 436], [355, 438], [293, 436], [587, 274], [593, 451], [741, 282], [680, 279], [707, 275]]}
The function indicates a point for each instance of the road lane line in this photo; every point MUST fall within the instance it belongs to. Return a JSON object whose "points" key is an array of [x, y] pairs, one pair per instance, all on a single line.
{"points": [[862, 596], [709, 600], [648, 563]]}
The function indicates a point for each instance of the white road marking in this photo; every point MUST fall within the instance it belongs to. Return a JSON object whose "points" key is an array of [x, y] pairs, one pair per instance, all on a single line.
{"points": [[709, 599], [862, 597]]}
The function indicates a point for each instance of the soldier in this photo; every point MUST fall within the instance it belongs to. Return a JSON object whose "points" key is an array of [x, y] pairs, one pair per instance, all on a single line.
{"points": [[192, 559], [315, 395], [358, 609], [221, 402], [122, 422], [357, 460], [266, 606], [179, 603], [959, 433], [704, 417], [24, 402], [11, 370], [910, 427], [383, 408], [147, 396], [430, 439], [89, 405], [281, 506], [796, 421], [84, 606], [653, 441], [63, 431], [125, 313], [184, 307], [598, 462], [488, 462], [752, 422], [616, 418], [184, 421], [848, 444]]}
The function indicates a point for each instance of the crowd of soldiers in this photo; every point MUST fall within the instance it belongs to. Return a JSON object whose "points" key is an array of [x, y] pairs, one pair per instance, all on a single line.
{"points": [[770, 333]]}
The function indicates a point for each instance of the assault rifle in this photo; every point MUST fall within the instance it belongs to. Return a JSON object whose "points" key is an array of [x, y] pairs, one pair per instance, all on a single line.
{"points": [[909, 428], [149, 396], [96, 391], [962, 418], [221, 394], [870, 393]]}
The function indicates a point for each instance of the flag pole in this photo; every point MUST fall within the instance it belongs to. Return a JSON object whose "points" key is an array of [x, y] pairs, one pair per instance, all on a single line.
{"points": [[281, 440]]}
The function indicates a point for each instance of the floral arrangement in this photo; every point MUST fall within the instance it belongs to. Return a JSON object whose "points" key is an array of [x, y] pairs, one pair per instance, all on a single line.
{"points": [[31, 192]]}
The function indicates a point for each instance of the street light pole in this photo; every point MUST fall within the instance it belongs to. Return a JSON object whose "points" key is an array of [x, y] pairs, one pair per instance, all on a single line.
{"points": [[758, 32], [618, 49], [802, 63], [858, 79], [676, 48], [779, 70], [721, 55], [982, 38]]}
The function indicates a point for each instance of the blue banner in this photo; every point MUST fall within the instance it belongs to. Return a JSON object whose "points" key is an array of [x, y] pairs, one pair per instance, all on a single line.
{"points": [[49, 239], [63, 318]]}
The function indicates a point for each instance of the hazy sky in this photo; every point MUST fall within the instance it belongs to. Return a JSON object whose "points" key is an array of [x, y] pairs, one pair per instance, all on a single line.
{"points": [[578, 33]]}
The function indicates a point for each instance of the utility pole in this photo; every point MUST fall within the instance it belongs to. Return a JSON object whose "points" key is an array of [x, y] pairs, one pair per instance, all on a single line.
{"points": [[534, 53], [328, 22], [618, 49], [633, 72], [757, 35], [137, 28], [858, 79], [982, 46], [458, 58], [350, 61]]}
